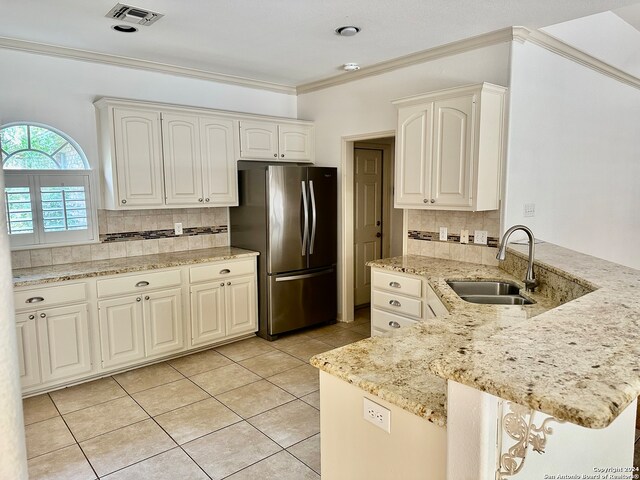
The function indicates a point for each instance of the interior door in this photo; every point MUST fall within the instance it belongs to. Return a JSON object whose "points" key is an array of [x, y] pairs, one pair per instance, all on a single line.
{"points": [[368, 219], [323, 216]]}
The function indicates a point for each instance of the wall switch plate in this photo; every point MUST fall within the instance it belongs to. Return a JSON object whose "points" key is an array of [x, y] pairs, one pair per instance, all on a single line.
{"points": [[376, 414], [529, 210], [178, 228], [480, 237], [464, 236], [443, 234]]}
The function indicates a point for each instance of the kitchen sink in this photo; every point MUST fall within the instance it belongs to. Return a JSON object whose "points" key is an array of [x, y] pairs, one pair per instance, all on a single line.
{"points": [[489, 292]]}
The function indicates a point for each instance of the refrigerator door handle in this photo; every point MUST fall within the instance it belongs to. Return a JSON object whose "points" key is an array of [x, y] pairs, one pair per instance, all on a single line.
{"points": [[304, 275], [305, 208], [314, 216]]}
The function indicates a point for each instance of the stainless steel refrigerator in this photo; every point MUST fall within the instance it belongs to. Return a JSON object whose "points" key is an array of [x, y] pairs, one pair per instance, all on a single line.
{"points": [[288, 213]]}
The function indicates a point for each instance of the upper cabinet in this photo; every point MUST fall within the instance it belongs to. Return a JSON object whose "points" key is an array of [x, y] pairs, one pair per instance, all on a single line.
{"points": [[285, 142], [163, 156], [449, 149]]}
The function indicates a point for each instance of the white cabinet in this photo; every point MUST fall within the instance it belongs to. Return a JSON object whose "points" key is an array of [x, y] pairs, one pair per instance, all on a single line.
{"points": [[240, 305], [27, 337], [121, 330], [276, 141], [163, 322], [207, 313], [219, 170], [450, 148]]}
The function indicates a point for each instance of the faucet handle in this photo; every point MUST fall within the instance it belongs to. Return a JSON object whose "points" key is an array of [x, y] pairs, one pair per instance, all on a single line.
{"points": [[530, 285]]}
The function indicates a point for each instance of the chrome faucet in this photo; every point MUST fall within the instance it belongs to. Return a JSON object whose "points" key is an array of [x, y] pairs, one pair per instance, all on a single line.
{"points": [[530, 281]]}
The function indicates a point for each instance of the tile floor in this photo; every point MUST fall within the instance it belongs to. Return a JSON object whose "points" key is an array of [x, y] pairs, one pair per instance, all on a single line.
{"points": [[241, 411]]}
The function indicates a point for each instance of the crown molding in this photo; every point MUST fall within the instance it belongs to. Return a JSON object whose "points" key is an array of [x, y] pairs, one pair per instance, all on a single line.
{"points": [[128, 62], [454, 48], [557, 46]]}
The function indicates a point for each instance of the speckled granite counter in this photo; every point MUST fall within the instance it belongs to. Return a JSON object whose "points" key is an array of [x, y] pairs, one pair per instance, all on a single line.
{"points": [[73, 271], [577, 361]]}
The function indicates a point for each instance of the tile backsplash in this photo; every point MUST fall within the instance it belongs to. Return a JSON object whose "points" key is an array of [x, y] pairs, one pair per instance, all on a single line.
{"points": [[137, 232]]}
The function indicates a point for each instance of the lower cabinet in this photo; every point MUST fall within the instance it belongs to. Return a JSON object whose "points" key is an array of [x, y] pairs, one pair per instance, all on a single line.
{"points": [[27, 349]]}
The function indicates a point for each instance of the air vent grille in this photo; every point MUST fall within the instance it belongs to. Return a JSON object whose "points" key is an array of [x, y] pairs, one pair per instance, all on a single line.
{"points": [[135, 15]]}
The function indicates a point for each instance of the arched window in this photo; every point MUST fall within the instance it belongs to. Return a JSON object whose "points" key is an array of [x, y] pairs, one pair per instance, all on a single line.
{"points": [[47, 186]]}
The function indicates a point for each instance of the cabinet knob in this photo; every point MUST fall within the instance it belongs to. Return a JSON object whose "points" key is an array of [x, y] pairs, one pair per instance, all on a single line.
{"points": [[147, 297], [138, 299], [222, 284], [424, 200], [275, 155], [282, 155], [123, 201], [228, 283], [200, 200], [395, 303], [394, 324], [31, 317], [42, 315], [433, 200], [206, 199]]}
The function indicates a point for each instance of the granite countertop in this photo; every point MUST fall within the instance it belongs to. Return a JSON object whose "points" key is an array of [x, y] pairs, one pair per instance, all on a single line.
{"points": [[577, 361], [73, 271]]}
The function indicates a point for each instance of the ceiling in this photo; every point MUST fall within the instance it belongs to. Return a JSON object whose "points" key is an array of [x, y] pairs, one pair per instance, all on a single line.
{"points": [[290, 42]]}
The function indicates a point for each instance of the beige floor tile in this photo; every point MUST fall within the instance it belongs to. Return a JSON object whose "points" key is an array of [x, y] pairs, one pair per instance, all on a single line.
{"points": [[104, 417], [312, 399], [323, 330], [38, 408], [199, 362], [67, 463], [289, 423], [228, 450], [224, 379], [269, 364], [251, 347], [341, 338], [192, 421], [47, 436], [170, 396], [126, 446], [308, 452], [86, 395], [255, 398], [281, 466], [307, 349], [298, 381], [144, 378], [290, 339], [171, 465], [363, 329]]}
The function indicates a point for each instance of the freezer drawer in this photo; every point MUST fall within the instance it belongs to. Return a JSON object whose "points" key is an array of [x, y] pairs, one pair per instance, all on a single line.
{"points": [[301, 299]]}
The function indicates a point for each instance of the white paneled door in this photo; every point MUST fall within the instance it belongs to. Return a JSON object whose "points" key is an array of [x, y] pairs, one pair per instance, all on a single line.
{"points": [[163, 322], [182, 160], [240, 299], [368, 218], [121, 330], [207, 313]]}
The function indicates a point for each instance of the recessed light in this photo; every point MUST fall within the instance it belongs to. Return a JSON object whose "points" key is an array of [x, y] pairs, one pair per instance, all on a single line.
{"points": [[124, 28], [351, 67], [347, 31]]}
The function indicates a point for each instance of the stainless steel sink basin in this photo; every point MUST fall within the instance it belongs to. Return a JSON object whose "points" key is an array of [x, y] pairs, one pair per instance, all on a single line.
{"points": [[489, 292]]}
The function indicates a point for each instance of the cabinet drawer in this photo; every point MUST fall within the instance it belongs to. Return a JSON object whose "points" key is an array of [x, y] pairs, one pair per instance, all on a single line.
{"points": [[385, 321], [46, 296], [397, 303], [390, 282], [205, 273], [131, 284]]}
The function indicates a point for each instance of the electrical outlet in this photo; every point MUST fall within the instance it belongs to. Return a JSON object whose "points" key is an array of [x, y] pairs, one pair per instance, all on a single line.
{"points": [[529, 210], [178, 228], [377, 414], [464, 236], [480, 237], [443, 234]]}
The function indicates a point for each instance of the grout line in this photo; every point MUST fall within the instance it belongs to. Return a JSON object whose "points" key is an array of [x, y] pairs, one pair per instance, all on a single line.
{"points": [[299, 459], [254, 463]]}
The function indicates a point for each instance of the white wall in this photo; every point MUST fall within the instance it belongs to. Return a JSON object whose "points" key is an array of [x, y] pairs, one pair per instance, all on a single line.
{"points": [[364, 106], [574, 151]]}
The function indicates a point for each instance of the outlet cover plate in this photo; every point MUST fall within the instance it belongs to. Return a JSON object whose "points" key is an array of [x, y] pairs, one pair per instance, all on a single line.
{"points": [[178, 228], [480, 237], [376, 414], [443, 234], [464, 236]]}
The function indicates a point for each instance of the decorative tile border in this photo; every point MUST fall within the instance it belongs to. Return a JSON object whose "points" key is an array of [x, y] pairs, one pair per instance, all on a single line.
{"points": [[454, 238], [155, 234]]}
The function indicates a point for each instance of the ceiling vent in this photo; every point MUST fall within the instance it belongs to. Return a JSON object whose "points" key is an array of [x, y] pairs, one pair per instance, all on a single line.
{"points": [[133, 14]]}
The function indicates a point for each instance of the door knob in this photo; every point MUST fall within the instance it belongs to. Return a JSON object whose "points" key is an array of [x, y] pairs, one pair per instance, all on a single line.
{"points": [[378, 235], [378, 223]]}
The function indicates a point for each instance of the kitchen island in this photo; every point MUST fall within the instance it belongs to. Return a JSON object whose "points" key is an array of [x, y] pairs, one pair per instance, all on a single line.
{"points": [[572, 355]]}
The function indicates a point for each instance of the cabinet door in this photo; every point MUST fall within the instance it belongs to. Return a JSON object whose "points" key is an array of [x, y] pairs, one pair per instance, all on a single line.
{"points": [[182, 161], [207, 313], [63, 338], [27, 349], [121, 330], [258, 140], [163, 325], [138, 157], [240, 302], [219, 168], [453, 150], [295, 142], [414, 150]]}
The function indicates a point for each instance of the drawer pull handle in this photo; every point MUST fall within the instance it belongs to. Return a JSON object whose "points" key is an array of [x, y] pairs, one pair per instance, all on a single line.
{"points": [[394, 284], [34, 300], [225, 271], [142, 284], [394, 324], [395, 303]]}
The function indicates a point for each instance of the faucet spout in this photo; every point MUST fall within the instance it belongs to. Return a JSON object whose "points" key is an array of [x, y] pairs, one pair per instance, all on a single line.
{"points": [[530, 281]]}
